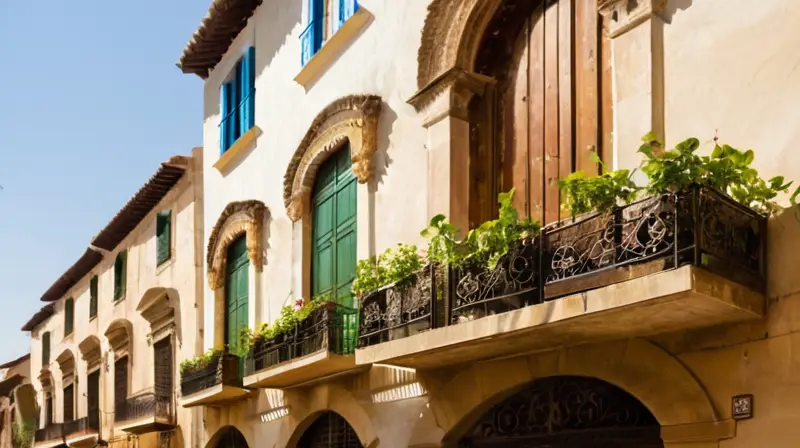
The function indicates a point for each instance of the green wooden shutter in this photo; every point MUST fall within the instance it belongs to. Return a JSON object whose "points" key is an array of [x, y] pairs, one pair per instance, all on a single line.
{"points": [[163, 236], [236, 292], [45, 348], [120, 275], [334, 238], [69, 316], [93, 297]]}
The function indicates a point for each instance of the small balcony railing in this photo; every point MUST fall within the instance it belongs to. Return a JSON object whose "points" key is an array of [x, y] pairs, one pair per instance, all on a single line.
{"points": [[84, 425], [144, 404], [700, 227], [222, 370], [52, 431], [331, 327]]}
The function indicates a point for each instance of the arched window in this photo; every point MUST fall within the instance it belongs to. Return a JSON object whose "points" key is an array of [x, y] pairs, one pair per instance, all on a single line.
{"points": [[549, 110], [329, 430]]}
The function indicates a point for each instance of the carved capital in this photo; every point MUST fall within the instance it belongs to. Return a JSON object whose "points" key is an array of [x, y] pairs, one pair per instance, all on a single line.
{"points": [[238, 218], [353, 119], [624, 15], [450, 95]]}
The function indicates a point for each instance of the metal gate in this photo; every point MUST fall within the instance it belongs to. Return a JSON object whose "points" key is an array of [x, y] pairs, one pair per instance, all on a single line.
{"points": [[329, 430], [566, 412]]}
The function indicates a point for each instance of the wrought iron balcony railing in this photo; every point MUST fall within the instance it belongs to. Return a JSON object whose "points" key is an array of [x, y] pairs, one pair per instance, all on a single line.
{"points": [[52, 431], [88, 424], [223, 369], [144, 404], [333, 327], [700, 227]]}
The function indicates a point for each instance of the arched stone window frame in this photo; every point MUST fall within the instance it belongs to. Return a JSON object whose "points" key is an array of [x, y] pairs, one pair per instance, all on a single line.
{"points": [[352, 119], [446, 83], [120, 340], [238, 219]]}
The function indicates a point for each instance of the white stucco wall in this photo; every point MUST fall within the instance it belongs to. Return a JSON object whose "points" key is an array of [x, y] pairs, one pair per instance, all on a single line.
{"points": [[382, 61], [177, 275]]}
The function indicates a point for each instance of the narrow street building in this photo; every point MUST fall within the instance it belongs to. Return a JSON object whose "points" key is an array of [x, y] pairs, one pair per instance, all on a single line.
{"points": [[17, 404], [105, 348]]}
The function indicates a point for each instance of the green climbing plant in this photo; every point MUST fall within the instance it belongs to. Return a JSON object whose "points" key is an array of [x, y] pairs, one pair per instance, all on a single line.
{"points": [[583, 194]]}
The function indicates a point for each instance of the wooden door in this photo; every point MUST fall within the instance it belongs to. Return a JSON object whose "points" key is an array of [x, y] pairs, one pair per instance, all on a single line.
{"points": [[69, 403], [120, 386], [334, 238], [236, 292], [93, 391], [49, 411], [550, 110]]}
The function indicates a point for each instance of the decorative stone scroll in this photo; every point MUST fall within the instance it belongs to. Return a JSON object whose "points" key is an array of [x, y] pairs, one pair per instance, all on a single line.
{"points": [[238, 218], [353, 118]]}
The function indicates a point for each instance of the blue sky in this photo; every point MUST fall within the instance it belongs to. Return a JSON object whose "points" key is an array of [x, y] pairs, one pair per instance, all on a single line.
{"points": [[91, 103]]}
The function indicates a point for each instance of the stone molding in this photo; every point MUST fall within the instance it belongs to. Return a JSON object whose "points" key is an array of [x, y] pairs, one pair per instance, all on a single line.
{"points": [[625, 15], [353, 118], [119, 337], [450, 95], [451, 36], [238, 218], [66, 362]]}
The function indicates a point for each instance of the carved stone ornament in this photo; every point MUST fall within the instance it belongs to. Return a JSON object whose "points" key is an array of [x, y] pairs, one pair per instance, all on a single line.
{"points": [[450, 95], [353, 118], [625, 15], [238, 218], [450, 39]]}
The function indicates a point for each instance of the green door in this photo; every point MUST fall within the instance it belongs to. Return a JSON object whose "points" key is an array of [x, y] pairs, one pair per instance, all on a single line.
{"points": [[334, 237], [236, 292]]}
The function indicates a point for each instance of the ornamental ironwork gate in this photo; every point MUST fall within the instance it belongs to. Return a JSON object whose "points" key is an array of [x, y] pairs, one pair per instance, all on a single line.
{"points": [[566, 412], [329, 430]]}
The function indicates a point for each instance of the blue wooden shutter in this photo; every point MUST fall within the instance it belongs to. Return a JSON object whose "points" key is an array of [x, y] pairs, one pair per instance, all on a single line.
{"points": [[346, 10], [317, 21], [246, 76], [224, 128]]}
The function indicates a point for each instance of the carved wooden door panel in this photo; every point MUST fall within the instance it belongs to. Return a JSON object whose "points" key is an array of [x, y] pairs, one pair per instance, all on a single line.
{"points": [[550, 109]]}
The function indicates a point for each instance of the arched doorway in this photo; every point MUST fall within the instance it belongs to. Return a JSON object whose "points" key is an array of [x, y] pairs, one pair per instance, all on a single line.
{"points": [[548, 110], [230, 437], [329, 430], [566, 412]]}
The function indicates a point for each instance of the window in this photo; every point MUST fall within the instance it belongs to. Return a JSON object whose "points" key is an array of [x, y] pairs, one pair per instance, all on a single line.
{"points": [[69, 316], [333, 218], [120, 386], [48, 409], [120, 274], [45, 348], [237, 101], [314, 34], [163, 241], [93, 297]]}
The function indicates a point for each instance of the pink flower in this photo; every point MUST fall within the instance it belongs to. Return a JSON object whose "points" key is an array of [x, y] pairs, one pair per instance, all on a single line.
{"points": [[298, 303]]}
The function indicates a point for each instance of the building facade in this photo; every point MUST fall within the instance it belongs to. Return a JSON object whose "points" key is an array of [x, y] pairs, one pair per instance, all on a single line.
{"points": [[105, 349], [335, 129], [17, 404]]}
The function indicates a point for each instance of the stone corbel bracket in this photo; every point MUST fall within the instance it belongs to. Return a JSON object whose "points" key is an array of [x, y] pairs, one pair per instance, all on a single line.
{"points": [[449, 94], [238, 218], [354, 119], [625, 15]]}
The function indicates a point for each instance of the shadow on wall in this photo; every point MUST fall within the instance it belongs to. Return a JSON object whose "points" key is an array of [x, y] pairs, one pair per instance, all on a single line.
{"points": [[673, 6], [25, 398], [381, 162]]}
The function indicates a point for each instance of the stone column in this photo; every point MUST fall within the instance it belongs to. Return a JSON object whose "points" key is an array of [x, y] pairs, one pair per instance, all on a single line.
{"points": [[637, 52], [445, 104]]}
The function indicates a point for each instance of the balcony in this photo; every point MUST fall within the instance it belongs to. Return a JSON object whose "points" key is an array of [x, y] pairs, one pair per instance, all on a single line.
{"points": [[49, 436], [145, 412], [83, 431], [213, 384], [318, 347], [662, 264]]}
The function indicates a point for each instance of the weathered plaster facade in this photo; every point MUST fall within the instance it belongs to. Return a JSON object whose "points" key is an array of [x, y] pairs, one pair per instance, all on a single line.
{"points": [[680, 68], [160, 301]]}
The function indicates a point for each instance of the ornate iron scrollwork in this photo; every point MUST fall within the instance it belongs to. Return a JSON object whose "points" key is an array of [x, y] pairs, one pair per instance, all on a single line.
{"points": [[480, 291], [550, 408]]}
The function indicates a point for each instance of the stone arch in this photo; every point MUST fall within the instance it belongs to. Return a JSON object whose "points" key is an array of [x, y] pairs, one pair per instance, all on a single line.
{"points": [[91, 349], [353, 118], [645, 371], [336, 400], [119, 334], [238, 218], [450, 40], [224, 432], [66, 362]]}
